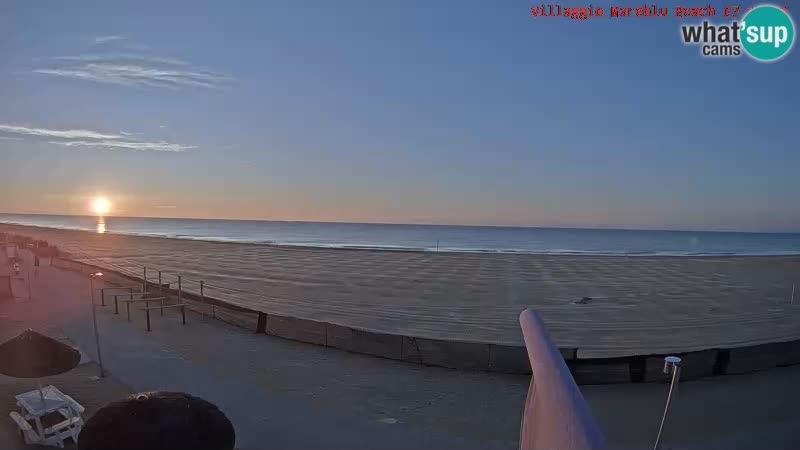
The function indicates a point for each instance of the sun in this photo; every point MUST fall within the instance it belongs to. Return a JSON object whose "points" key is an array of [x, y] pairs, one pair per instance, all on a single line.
{"points": [[101, 206]]}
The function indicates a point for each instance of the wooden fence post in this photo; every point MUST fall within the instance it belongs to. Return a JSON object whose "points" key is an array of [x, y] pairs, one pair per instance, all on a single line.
{"points": [[262, 323], [202, 300]]}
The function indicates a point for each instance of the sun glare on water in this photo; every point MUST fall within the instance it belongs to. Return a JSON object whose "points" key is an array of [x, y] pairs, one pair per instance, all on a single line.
{"points": [[101, 206]]}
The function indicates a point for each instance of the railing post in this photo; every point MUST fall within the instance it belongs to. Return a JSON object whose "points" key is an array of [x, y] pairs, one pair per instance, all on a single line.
{"points": [[116, 305], [144, 280], [128, 307], [103, 296], [202, 300], [262, 323], [183, 314], [147, 310]]}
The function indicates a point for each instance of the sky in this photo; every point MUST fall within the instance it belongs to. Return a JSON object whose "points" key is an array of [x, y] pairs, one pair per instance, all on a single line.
{"points": [[467, 112]]}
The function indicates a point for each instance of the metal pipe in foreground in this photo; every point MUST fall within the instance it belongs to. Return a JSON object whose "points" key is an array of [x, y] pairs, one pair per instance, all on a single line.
{"points": [[673, 364]]}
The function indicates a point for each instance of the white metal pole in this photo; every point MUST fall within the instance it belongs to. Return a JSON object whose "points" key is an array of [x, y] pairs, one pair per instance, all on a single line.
{"points": [[670, 363]]}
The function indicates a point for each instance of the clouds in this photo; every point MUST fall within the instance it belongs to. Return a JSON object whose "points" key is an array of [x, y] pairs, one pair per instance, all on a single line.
{"points": [[99, 40], [123, 57], [132, 70], [66, 134], [133, 75], [88, 139]]}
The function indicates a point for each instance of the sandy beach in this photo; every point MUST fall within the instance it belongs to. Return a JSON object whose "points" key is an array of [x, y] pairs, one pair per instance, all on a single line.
{"points": [[633, 305]]}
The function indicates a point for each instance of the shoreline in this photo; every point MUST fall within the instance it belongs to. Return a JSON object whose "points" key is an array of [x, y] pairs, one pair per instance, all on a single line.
{"points": [[434, 250]]}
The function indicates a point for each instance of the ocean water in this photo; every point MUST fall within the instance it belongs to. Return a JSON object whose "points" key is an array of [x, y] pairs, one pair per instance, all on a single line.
{"points": [[433, 237]]}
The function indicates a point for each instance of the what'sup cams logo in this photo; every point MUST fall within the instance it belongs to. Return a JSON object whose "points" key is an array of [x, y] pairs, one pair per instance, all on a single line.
{"points": [[765, 33]]}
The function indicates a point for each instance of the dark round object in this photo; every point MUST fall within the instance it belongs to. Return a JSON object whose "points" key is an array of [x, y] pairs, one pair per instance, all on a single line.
{"points": [[158, 420], [34, 355]]}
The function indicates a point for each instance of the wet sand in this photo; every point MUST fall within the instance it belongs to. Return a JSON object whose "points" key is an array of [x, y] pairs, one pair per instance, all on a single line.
{"points": [[635, 305]]}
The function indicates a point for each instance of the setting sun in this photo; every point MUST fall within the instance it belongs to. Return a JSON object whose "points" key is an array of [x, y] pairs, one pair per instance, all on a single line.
{"points": [[101, 206]]}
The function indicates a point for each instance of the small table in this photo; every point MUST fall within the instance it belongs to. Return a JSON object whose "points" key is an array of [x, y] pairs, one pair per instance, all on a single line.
{"points": [[34, 406]]}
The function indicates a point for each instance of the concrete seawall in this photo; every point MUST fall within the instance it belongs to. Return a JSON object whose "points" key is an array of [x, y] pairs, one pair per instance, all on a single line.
{"points": [[468, 355]]}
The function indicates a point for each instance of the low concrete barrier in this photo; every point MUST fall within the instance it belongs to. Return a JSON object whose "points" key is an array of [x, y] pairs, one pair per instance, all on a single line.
{"points": [[463, 355], [454, 355], [693, 365], [601, 371], [789, 353], [752, 359], [302, 330], [367, 342]]}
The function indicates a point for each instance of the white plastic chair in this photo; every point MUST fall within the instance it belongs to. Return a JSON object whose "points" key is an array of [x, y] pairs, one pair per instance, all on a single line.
{"points": [[26, 430]]}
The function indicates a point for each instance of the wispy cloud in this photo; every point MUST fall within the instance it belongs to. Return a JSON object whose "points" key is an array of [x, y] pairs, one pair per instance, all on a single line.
{"points": [[9, 138], [126, 145], [106, 39], [90, 139], [133, 70], [138, 75], [123, 57], [66, 134]]}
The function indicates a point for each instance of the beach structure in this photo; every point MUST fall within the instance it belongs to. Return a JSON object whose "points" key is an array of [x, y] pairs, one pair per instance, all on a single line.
{"points": [[158, 420], [33, 355]]}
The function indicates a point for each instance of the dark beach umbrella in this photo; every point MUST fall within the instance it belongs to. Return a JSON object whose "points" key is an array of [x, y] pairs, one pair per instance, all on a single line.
{"points": [[158, 420], [34, 355]]}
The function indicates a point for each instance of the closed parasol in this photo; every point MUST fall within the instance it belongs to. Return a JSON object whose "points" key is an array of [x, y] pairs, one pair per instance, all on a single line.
{"points": [[158, 420], [34, 355]]}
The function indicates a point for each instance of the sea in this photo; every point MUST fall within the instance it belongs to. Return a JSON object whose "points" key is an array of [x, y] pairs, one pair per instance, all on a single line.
{"points": [[434, 238]]}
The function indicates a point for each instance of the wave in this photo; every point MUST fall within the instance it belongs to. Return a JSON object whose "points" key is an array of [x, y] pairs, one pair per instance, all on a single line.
{"points": [[425, 249]]}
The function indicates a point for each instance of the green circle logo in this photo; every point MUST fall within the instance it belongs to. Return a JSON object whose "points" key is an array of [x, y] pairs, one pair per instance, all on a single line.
{"points": [[767, 33]]}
